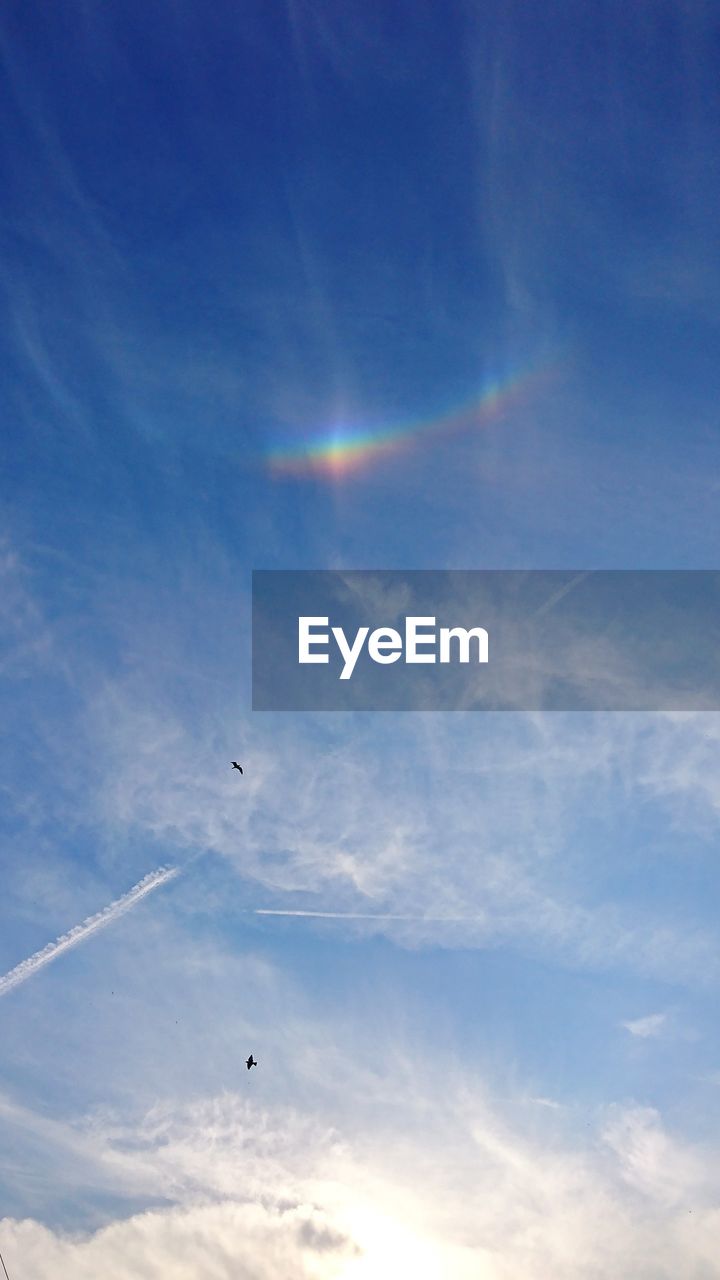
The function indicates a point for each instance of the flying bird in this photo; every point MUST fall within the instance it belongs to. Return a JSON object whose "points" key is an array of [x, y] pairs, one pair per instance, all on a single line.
{"points": [[237, 766], [251, 1062]]}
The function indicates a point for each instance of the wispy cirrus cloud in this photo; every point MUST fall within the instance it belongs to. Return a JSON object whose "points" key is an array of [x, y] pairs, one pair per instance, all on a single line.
{"points": [[26, 634], [350, 820], [457, 1185], [648, 1027]]}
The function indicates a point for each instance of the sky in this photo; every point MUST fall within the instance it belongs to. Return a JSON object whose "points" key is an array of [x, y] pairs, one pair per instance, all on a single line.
{"points": [[329, 284]]}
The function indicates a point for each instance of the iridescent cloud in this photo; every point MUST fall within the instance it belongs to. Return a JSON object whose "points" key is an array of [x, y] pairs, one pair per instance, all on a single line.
{"points": [[344, 448]]}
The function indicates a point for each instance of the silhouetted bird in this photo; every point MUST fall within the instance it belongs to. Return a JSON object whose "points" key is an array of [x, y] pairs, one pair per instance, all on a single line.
{"points": [[251, 1062], [235, 765]]}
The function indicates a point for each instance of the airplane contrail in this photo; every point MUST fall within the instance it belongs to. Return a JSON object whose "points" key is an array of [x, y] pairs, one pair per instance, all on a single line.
{"points": [[562, 591], [28, 967], [367, 915]]}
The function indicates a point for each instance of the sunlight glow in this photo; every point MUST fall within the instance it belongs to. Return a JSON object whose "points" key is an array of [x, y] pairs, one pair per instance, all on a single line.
{"points": [[391, 1249]]}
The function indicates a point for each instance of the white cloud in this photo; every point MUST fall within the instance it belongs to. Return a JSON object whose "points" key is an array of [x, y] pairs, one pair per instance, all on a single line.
{"points": [[27, 639], [453, 1185], [462, 817], [651, 1025], [478, 819], [224, 1240], [663, 1170]]}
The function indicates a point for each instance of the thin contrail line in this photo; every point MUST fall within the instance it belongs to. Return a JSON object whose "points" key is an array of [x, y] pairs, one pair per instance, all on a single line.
{"points": [[562, 591], [367, 915], [28, 967]]}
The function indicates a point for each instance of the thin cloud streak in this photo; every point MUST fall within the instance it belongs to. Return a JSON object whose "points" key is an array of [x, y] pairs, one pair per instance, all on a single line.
{"points": [[652, 1025], [368, 915], [558, 595], [91, 925]]}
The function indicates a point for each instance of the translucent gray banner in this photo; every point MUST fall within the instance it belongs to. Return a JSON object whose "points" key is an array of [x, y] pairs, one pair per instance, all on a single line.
{"points": [[486, 640]]}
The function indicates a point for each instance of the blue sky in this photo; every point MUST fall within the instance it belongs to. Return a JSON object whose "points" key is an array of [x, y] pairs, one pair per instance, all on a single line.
{"points": [[459, 262]]}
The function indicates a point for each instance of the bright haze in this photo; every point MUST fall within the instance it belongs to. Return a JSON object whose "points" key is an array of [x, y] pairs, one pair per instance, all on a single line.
{"points": [[335, 284]]}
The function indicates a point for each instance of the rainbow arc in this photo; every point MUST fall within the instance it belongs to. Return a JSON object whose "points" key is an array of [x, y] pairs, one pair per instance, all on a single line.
{"points": [[343, 449]]}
